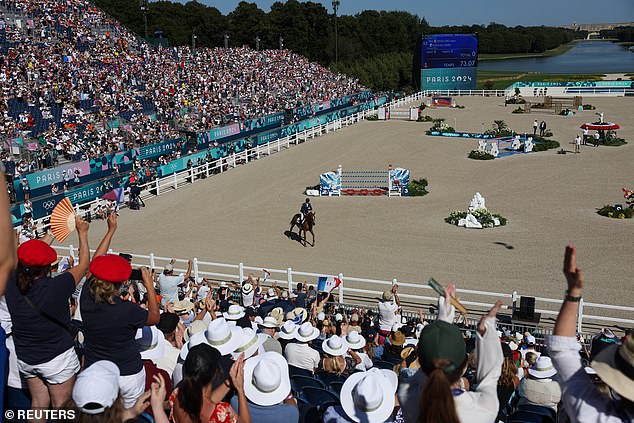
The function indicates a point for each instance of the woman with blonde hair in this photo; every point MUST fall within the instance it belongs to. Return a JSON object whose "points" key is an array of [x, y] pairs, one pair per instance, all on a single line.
{"points": [[110, 324], [40, 313]]}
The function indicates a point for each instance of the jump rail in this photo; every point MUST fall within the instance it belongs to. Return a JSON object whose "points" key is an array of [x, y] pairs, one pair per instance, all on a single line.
{"points": [[368, 290]]}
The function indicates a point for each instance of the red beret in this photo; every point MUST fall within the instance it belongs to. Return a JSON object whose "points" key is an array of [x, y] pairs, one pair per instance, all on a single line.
{"points": [[111, 268], [36, 253]]}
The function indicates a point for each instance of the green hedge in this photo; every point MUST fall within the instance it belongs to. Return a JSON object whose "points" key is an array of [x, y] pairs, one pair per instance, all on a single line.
{"points": [[480, 155], [418, 187], [546, 144]]}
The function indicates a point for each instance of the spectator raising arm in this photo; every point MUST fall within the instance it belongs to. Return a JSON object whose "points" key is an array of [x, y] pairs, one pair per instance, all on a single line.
{"points": [[581, 399], [189, 269], [104, 245], [8, 257], [152, 303], [81, 269]]}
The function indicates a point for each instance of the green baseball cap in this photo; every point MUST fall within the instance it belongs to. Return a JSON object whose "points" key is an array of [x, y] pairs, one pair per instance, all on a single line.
{"points": [[441, 340]]}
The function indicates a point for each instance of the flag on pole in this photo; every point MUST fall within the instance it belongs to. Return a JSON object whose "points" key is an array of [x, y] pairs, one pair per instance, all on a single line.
{"points": [[115, 195], [327, 283], [266, 274]]}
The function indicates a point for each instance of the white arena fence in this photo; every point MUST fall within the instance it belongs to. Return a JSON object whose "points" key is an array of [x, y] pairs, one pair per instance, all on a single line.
{"points": [[367, 291]]}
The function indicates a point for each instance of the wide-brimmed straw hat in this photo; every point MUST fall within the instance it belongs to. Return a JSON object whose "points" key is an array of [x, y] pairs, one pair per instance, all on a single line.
{"points": [[615, 367], [183, 306], [543, 368], [369, 396], [335, 346], [266, 380], [306, 332]]}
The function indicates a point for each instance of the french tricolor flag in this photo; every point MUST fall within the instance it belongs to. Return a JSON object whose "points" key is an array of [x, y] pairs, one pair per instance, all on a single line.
{"points": [[327, 283]]}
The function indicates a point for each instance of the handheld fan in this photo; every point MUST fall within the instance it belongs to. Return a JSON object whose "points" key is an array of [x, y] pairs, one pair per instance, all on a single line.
{"points": [[441, 291], [63, 220]]}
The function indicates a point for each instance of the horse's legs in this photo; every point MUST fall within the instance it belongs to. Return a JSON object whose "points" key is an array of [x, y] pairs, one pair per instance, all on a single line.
{"points": [[313, 234]]}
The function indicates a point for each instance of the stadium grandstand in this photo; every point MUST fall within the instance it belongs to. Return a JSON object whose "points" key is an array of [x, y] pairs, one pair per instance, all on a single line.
{"points": [[92, 335]]}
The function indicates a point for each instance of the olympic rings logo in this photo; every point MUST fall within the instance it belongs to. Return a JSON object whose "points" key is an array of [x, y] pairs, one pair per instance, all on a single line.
{"points": [[48, 204]]}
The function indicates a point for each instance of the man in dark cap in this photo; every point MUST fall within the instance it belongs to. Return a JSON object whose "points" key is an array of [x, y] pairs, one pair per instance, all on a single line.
{"points": [[169, 326]]}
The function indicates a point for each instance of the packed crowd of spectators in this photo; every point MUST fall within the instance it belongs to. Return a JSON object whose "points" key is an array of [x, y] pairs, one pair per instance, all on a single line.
{"points": [[92, 335], [68, 71]]}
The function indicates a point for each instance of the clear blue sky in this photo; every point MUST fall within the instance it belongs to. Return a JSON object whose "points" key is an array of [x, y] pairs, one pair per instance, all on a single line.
{"points": [[459, 12]]}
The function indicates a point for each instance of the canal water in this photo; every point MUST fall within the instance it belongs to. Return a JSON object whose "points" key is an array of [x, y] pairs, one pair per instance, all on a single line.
{"points": [[583, 57]]}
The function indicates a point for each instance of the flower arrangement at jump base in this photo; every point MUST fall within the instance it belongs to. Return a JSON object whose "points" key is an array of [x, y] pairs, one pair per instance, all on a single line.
{"points": [[477, 216], [618, 211]]}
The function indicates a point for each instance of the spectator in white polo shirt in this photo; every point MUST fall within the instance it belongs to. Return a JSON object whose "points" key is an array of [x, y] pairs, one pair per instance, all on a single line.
{"points": [[168, 283], [300, 354]]}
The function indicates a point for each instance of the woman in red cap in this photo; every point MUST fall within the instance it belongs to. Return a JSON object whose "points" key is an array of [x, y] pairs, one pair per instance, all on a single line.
{"points": [[110, 323], [40, 313]]}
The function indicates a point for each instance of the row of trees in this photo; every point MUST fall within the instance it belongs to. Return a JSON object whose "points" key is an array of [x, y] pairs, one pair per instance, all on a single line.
{"points": [[622, 33], [370, 43]]}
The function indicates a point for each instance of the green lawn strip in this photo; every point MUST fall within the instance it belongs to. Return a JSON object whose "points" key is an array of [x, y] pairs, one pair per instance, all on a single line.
{"points": [[548, 53]]}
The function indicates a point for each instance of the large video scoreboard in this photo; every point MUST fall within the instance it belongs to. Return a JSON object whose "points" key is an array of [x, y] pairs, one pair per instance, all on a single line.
{"points": [[449, 61]]}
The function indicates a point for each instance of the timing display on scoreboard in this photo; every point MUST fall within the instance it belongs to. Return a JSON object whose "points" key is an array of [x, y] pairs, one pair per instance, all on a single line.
{"points": [[449, 61], [449, 51]]}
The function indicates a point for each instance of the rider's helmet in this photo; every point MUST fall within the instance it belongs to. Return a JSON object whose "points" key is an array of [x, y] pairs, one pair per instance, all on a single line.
{"points": [[308, 200]]}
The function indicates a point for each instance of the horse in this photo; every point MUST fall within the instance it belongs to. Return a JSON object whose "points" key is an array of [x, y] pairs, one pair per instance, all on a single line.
{"points": [[306, 226]]}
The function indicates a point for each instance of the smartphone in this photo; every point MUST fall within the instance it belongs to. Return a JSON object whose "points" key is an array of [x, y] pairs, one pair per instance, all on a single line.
{"points": [[136, 275]]}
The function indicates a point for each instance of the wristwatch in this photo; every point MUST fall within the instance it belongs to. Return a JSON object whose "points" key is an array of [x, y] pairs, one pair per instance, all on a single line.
{"points": [[571, 299]]}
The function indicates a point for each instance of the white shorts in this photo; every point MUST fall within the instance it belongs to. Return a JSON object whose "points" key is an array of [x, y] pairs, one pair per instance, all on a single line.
{"points": [[54, 372], [131, 388]]}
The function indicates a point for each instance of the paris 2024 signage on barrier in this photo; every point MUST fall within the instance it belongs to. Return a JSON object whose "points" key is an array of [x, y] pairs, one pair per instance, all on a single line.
{"points": [[449, 62]]}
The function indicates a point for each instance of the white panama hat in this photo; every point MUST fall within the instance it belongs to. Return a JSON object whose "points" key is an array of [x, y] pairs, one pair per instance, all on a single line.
{"points": [[222, 336], [369, 396], [335, 346], [543, 368], [355, 341], [266, 380], [249, 344], [306, 332], [234, 312], [288, 330]]}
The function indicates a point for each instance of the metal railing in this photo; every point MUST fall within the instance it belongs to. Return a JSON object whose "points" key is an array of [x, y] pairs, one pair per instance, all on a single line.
{"points": [[366, 291]]}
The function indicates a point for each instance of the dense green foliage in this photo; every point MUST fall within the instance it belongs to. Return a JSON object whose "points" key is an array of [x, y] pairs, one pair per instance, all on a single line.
{"points": [[623, 33], [418, 187], [375, 46], [480, 155], [543, 144]]}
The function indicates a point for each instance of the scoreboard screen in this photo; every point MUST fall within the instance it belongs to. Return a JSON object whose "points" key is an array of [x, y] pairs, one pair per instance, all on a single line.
{"points": [[449, 61]]}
